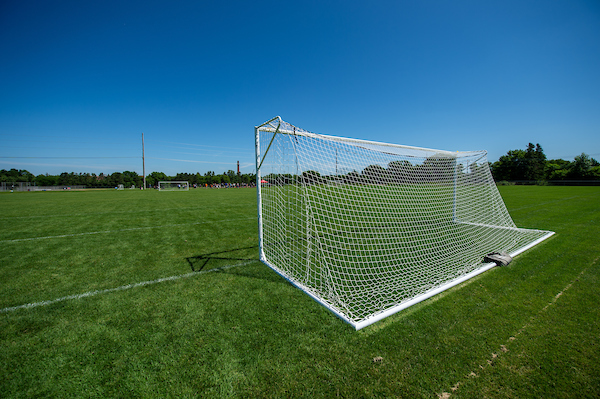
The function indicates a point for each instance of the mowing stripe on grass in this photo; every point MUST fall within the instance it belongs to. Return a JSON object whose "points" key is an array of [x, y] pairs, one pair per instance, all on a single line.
{"points": [[504, 348], [121, 288], [512, 209], [203, 208], [121, 230]]}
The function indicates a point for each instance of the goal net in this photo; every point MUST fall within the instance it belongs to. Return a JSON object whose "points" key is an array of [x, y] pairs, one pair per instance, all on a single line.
{"points": [[368, 229], [173, 186]]}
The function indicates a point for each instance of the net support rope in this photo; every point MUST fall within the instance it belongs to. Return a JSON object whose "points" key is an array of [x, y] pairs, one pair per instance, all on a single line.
{"points": [[368, 229]]}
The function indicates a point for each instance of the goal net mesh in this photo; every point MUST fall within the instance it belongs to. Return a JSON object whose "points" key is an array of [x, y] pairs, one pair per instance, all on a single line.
{"points": [[173, 186], [369, 228]]}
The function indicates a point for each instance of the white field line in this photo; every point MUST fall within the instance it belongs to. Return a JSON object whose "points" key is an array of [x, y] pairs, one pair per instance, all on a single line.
{"points": [[121, 230], [504, 348], [94, 213], [121, 288]]}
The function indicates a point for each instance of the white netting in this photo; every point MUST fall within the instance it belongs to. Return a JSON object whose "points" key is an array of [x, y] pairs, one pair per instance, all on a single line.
{"points": [[364, 227], [173, 186]]}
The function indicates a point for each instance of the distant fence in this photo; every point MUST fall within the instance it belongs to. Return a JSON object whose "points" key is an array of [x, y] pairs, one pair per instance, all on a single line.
{"points": [[28, 186]]}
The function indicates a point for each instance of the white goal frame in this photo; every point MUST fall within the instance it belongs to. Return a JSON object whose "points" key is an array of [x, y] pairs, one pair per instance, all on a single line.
{"points": [[307, 236], [185, 185]]}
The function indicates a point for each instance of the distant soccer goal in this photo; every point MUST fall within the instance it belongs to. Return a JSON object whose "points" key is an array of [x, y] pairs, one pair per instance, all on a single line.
{"points": [[367, 228], [173, 186]]}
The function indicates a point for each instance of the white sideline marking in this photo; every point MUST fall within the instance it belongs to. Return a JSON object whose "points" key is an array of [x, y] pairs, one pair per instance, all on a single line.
{"points": [[121, 230], [503, 348], [121, 288]]}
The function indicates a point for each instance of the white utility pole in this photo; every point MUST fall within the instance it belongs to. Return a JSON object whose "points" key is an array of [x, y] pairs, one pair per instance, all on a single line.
{"points": [[143, 163]]}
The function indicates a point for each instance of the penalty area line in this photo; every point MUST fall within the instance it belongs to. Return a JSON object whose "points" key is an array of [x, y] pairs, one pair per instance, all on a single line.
{"points": [[121, 288]]}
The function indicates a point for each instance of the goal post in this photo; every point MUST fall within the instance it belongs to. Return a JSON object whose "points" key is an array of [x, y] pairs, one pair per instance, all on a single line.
{"points": [[367, 228], [173, 186]]}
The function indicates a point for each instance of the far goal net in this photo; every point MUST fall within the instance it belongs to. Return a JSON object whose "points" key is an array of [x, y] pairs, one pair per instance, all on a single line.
{"points": [[368, 229], [173, 186]]}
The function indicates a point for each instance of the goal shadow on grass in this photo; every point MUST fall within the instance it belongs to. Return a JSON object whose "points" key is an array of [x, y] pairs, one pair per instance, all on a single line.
{"points": [[219, 261], [222, 258]]}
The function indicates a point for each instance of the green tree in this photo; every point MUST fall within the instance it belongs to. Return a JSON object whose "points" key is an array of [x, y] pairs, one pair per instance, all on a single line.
{"points": [[115, 179], [15, 175], [557, 169], [232, 175], [535, 162], [131, 178], [184, 177], [46, 180], [352, 178], [400, 171], [311, 177], [86, 179], [153, 178], [529, 164], [439, 168], [248, 178], [581, 167], [199, 179], [510, 166], [101, 180], [67, 179], [374, 174], [209, 178]]}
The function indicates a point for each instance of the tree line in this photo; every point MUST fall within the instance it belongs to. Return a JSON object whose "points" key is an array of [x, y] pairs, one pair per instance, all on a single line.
{"points": [[431, 170], [126, 178], [531, 165]]}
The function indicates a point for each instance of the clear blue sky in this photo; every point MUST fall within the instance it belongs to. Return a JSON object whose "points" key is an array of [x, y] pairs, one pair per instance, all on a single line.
{"points": [[80, 81]]}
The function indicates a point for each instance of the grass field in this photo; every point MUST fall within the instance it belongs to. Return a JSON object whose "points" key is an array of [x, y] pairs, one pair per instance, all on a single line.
{"points": [[159, 294]]}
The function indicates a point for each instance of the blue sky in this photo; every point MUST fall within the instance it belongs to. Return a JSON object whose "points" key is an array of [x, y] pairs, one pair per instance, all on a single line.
{"points": [[80, 81]]}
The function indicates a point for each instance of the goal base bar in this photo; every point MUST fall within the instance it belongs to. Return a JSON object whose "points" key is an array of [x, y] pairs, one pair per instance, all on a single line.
{"points": [[393, 310]]}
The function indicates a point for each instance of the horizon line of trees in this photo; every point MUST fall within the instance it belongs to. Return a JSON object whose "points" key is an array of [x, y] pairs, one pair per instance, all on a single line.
{"points": [[531, 165], [431, 170], [126, 178], [517, 165]]}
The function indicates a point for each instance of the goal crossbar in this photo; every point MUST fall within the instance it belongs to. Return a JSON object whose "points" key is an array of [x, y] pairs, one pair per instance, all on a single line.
{"points": [[283, 127], [367, 229]]}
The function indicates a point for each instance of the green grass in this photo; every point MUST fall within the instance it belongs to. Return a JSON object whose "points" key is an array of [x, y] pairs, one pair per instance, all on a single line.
{"points": [[531, 329]]}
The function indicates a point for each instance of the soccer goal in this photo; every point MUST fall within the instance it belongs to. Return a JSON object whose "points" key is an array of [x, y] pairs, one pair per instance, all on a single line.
{"points": [[368, 229], [173, 186]]}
